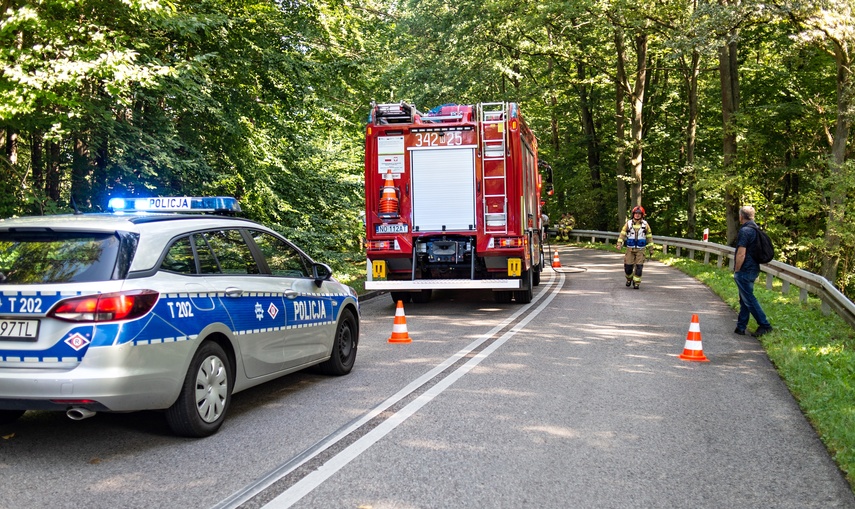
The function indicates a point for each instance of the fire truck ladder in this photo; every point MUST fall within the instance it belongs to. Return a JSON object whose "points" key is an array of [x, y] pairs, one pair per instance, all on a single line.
{"points": [[395, 113], [493, 134]]}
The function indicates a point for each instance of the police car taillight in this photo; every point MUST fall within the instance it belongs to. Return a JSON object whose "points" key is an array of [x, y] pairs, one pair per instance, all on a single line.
{"points": [[105, 307], [211, 204]]}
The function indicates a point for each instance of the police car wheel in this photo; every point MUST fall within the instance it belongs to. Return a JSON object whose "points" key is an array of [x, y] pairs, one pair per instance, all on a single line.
{"points": [[7, 416], [205, 395], [343, 353]]}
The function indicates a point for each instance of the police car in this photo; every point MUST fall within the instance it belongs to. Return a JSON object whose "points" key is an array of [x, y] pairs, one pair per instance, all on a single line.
{"points": [[154, 307]]}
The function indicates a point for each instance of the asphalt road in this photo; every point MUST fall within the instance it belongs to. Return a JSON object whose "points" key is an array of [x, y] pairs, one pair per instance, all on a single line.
{"points": [[576, 400]]}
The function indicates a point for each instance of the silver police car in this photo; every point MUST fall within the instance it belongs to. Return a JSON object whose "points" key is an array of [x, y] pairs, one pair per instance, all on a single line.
{"points": [[154, 307]]}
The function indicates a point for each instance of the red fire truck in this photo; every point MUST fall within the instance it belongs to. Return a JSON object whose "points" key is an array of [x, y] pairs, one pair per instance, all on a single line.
{"points": [[452, 201]]}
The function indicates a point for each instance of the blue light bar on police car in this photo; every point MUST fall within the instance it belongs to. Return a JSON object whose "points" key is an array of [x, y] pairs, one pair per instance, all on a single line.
{"points": [[175, 204]]}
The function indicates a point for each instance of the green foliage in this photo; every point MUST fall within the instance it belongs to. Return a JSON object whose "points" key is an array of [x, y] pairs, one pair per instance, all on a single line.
{"points": [[142, 98]]}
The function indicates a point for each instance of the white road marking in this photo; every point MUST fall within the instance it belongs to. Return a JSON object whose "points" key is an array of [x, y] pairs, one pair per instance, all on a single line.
{"points": [[300, 489]]}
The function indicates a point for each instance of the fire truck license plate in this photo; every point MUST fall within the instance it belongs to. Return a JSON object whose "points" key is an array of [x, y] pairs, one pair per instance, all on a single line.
{"points": [[22, 330], [391, 228]]}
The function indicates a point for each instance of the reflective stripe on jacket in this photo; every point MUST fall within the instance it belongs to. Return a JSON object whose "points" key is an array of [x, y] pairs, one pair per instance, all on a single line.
{"points": [[636, 234]]}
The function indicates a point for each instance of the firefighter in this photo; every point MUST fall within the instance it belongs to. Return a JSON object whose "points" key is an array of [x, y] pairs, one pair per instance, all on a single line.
{"points": [[544, 225], [637, 236], [565, 225]]}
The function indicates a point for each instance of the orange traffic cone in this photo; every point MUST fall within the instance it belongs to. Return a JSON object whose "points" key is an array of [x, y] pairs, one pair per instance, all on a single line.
{"points": [[389, 198], [399, 327], [694, 351], [556, 263]]}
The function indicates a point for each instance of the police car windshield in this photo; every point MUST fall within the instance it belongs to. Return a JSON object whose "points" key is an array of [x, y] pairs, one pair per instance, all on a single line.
{"points": [[51, 257]]}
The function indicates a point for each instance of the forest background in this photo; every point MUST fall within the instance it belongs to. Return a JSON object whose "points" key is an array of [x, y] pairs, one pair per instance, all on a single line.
{"points": [[690, 108]]}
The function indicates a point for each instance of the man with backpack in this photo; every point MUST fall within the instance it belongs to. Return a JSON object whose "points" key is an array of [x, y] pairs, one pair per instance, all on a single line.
{"points": [[746, 270]]}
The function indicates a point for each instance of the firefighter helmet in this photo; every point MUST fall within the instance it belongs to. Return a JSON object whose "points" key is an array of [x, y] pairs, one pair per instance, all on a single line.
{"points": [[638, 208]]}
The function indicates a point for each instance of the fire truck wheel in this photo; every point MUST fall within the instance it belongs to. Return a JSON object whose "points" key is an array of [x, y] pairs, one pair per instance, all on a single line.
{"points": [[537, 269], [400, 296], [524, 296], [422, 297], [503, 297]]}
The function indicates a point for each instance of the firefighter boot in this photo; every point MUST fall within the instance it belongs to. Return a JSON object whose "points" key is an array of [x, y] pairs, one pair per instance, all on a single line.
{"points": [[636, 279], [628, 271]]}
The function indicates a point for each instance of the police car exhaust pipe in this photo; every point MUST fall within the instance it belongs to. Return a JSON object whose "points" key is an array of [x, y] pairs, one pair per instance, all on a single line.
{"points": [[79, 413]]}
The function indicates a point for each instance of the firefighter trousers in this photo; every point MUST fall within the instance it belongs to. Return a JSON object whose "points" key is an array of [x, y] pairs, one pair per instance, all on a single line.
{"points": [[634, 258]]}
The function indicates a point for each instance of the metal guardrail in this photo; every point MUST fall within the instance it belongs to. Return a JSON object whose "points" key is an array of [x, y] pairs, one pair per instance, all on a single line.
{"points": [[807, 282]]}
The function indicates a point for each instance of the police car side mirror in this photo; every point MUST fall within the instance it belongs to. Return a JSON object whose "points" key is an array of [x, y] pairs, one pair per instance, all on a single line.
{"points": [[321, 272]]}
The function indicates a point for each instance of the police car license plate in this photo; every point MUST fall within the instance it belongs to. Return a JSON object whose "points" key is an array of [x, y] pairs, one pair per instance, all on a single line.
{"points": [[20, 330], [391, 228]]}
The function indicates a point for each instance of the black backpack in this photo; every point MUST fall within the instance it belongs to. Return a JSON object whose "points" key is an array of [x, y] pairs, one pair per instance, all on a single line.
{"points": [[762, 251]]}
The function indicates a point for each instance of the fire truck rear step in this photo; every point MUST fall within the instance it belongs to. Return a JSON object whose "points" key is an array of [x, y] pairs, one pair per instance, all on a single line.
{"points": [[445, 284]]}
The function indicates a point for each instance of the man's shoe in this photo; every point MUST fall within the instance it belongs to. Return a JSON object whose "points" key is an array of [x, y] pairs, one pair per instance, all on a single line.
{"points": [[628, 282], [762, 330], [635, 285], [739, 331]]}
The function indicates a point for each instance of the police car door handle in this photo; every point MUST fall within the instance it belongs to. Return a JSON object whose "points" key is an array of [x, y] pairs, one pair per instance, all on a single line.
{"points": [[292, 294], [234, 292]]}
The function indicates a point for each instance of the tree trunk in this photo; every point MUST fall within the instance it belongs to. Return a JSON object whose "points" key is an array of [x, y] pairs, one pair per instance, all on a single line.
{"points": [[100, 184], [729, 73], [837, 199], [593, 146], [12, 147], [637, 103], [80, 174], [692, 73], [37, 159], [620, 127], [553, 102], [52, 172]]}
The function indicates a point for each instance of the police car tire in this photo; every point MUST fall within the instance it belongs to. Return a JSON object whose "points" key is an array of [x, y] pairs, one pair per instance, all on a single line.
{"points": [[7, 416], [345, 342], [183, 416]]}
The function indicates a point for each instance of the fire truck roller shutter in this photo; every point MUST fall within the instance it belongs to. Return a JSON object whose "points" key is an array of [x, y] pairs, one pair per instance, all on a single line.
{"points": [[443, 193]]}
